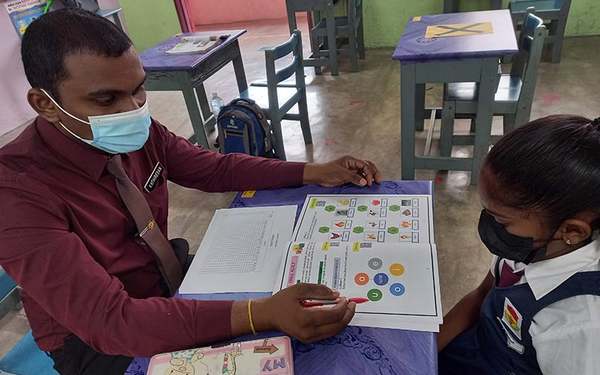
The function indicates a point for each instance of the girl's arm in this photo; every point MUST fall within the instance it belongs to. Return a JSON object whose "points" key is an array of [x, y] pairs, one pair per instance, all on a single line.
{"points": [[465, 313]]}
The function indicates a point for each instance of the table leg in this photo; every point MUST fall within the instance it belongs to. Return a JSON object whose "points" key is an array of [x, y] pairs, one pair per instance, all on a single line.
{"points": [[238, 67], [420, 108], [408, 102], [207, 115], [191, 102], [485, 115], [450, 6]]}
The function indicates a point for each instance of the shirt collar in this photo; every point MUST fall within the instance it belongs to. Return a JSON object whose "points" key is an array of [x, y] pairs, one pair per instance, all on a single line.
{"points": [[82, 156], [545, 276]]}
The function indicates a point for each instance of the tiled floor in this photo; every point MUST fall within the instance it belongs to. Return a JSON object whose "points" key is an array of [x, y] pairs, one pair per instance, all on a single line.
{"points": [[359, 114]]}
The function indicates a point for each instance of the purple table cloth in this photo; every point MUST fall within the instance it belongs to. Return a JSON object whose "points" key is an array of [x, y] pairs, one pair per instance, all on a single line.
{"points": [[414, 46], [156, 58], [357, 350]]}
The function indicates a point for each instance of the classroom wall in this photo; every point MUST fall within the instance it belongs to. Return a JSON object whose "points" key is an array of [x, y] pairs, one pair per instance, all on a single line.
{"points": [[14, 109], [207, 12], [150, 21], [385, 19]]}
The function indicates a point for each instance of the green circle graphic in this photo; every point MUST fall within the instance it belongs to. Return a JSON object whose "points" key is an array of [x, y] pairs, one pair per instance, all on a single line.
{"points": [[374, 295], [393, 230]]}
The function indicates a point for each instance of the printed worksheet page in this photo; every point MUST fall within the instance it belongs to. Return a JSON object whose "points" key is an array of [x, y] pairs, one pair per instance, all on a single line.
{"points": [[241, 251]]}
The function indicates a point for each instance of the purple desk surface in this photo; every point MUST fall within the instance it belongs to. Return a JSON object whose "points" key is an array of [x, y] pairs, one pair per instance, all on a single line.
{"points": [[357, 350], [501, 42], [156, 58]]}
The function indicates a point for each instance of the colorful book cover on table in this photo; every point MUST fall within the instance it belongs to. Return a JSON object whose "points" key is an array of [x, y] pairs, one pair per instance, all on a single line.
{"points": [[272, 356]]}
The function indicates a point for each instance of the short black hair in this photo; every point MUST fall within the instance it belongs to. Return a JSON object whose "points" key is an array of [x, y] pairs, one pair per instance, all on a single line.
{"points": [[52, 37], [551, 165]]}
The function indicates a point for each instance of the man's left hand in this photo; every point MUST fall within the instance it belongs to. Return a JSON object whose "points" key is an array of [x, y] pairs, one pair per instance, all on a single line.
{"points": [[342, 171]]}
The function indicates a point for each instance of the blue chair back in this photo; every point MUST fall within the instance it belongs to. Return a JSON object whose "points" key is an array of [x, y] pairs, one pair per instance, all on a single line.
{"points": [[26, 358], [531, 44], [293, 47]]}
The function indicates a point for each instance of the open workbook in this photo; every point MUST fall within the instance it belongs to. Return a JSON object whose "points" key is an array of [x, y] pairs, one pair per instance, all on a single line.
{"points": [[379, 247], [376, 246]]}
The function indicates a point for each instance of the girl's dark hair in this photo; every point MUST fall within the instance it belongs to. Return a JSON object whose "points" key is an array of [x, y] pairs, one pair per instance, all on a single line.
{"points": [[551, 165], [51, 38]]}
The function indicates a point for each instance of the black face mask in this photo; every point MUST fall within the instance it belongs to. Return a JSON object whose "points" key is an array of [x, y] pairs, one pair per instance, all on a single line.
{"points": [[504, 244]]}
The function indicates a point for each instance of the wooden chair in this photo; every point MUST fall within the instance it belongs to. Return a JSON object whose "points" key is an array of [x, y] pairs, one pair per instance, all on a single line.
{"points": [[277, 98], [348, 31], [326, 9], [553, 12], [514, 95]]}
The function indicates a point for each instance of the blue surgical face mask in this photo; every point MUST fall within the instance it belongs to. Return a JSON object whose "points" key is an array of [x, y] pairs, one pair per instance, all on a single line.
{"points": [[117, 133]]}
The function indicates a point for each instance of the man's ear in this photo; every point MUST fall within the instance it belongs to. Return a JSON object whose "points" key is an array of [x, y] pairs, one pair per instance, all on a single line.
{"points": [[574, 231], [43, 105]]}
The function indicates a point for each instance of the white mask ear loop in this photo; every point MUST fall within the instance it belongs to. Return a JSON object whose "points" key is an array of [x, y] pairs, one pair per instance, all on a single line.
{"points": [[88, 141], [63, 110]]}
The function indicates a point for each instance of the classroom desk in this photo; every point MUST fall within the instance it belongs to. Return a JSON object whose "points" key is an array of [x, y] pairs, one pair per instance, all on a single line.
{"points": [[451, 6], [187, 73], [357, 350], [472, 58]]}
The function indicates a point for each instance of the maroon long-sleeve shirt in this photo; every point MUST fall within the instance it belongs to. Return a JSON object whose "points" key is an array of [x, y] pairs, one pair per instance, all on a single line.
{"points": [[69, 242]]}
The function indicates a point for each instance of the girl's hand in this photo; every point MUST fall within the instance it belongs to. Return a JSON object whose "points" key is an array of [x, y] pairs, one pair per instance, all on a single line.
{"points": [[283, 312]]}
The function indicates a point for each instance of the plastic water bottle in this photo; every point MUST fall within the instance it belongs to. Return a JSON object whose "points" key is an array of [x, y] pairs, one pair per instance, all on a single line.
{"points": [[216, 103]]}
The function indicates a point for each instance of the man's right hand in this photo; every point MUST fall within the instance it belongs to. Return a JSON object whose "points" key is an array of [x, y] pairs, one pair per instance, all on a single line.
{"points": [[283, 312]]}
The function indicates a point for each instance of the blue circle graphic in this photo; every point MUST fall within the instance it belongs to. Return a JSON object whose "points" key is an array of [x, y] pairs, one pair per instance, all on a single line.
{"points": [[397, 289], [381, 279]]}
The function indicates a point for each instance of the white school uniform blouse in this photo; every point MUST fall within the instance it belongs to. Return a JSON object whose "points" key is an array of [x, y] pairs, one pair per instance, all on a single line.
{"points": [[565, 334]]}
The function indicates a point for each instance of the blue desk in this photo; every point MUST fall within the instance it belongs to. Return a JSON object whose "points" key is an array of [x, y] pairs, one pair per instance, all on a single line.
{"points": [[470, 58], [187, 73], [357, 350]]}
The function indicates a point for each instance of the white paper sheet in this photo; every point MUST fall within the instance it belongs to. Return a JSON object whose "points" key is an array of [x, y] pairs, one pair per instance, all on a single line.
{"points": [[241, 251]]}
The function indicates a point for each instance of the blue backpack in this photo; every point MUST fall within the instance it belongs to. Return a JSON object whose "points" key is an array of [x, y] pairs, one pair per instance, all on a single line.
{"points": [[243, 127]]}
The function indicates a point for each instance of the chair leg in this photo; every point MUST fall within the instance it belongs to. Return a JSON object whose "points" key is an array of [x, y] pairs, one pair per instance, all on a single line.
{"points": [[353, 45], [304, 122], [361, 38], [331, 42], [447, 131], [314, 40], [278, 138], [508, 123], [559, 35]]}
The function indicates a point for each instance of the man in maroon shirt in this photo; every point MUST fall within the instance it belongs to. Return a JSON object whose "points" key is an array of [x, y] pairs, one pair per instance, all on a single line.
{"points": [[92, 288]]}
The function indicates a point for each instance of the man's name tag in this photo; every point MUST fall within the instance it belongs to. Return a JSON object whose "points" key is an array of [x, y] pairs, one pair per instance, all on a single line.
{"points": [[154, 177]]}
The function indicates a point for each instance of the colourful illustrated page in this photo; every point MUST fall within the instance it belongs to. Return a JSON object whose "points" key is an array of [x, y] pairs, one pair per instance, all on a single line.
{"points": [[388, 257], [271, 356], [366, 219]]}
